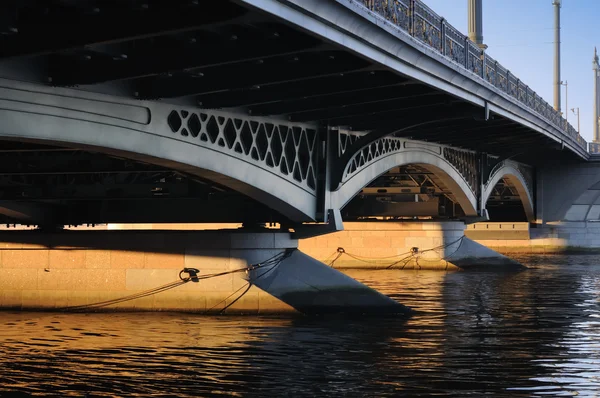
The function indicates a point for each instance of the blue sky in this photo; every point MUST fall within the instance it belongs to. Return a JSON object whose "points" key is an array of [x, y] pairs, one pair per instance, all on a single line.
{"points": [[520, 34]]}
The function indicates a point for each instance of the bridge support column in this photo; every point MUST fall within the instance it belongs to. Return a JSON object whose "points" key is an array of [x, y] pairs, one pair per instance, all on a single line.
{"points": [[405, 245], [568, 211], [558, 237], [40, 270]]}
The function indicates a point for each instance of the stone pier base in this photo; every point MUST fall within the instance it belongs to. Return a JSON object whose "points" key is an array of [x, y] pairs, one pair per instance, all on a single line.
{"points": [[51, 271], [405, 245], [551, 238], [472, 255]]}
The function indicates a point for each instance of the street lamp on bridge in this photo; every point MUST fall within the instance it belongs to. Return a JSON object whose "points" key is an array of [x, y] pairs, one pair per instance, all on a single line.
{"points": [[566, 84], [576, 113]]}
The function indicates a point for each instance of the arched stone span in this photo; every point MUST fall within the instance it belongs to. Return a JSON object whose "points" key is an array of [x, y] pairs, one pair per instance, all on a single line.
{"points": [[510, 171], [271, 163], [432, 160]]}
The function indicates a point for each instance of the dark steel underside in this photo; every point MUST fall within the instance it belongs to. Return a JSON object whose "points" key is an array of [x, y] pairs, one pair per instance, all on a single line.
{"points": [[215, 54]]}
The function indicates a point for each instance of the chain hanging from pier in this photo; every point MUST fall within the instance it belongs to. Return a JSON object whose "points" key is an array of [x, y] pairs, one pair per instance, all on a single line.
{"points": [[193, 275]]}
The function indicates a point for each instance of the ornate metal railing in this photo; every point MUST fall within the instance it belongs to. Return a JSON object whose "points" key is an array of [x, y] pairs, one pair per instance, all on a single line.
{"points": [[422, 23]]}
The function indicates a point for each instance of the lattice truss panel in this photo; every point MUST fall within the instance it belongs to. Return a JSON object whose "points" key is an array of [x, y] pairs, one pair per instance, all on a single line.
{"points": [[503, 191], [283, 149], [465, 162], [525, 171], [527, 174]]}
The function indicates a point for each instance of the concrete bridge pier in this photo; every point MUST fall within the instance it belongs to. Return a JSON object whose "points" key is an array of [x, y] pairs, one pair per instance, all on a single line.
{"points": [[60, 270], [406, 245], [312, 287]]}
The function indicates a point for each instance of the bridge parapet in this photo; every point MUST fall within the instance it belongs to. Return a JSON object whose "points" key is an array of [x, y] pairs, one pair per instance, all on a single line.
{"points": [[414, 18]]}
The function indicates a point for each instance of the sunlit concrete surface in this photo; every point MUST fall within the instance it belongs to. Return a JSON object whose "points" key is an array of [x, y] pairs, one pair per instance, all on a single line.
{"points": [[405, 245], [40, 270]]}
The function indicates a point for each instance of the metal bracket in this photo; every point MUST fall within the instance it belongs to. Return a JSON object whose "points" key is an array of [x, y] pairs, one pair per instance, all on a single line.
{"points": [[192, 274], [487, 114], [333, 223]]}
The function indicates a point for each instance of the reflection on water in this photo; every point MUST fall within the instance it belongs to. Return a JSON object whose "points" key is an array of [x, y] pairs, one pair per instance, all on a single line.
{"points": [[532, 333]]}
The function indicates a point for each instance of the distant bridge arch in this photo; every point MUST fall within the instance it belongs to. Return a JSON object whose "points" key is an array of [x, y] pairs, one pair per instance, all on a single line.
{"points": [[455, 168], [520, 178]]}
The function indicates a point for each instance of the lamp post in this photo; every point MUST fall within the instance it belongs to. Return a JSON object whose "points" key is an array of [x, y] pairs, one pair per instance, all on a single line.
{"points": [[566, 84], [576, 113]]}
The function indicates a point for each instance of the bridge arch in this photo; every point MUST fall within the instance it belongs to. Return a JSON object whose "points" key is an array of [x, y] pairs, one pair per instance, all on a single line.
{"points": [[430, 157], [513, 172], [274, 164]]}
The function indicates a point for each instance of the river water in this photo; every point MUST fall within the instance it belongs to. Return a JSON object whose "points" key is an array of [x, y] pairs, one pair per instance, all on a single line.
{"points": [[533, 333]]}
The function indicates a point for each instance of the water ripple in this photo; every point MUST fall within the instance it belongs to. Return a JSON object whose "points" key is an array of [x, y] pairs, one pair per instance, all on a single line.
{"points": [[534, 333]]}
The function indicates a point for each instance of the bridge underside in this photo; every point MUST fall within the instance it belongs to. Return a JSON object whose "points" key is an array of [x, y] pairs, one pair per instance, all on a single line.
{"points": [[230, 56], [405, 192], [414, 192], [505, 204], [48, 185]]}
